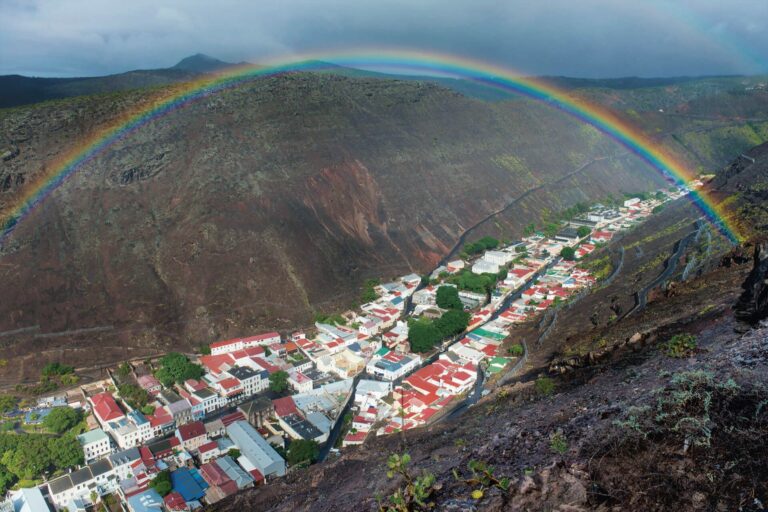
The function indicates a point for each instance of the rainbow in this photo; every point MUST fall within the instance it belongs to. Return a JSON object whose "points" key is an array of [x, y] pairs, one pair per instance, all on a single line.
{"points": [[178, 96]]}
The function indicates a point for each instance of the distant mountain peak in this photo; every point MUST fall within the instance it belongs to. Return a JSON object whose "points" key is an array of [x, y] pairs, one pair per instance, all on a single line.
{"points": [[201, 63]]}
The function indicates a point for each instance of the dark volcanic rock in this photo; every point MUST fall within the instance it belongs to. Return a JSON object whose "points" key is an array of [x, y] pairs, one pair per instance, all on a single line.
{"points": [[752, 306]]}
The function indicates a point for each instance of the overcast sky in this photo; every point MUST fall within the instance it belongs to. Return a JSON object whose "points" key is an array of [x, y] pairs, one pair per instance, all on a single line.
{"points": [[590, 38]]}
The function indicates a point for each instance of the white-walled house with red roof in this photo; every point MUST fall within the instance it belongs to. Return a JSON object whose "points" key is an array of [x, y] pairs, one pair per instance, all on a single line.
{"points": [[106, 410], [223, 347]]}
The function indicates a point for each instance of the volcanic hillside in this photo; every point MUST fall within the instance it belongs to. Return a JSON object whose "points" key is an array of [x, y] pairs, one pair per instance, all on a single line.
{"points": [[609, 413], [259, 206]]}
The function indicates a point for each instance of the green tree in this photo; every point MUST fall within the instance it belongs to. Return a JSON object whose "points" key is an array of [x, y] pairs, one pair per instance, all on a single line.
{"points": [[303, 451], [452, 322], [234, 453], [8, 403], [124, 370], [423, 335], [176, 368], [529, 229], [29, 456], [550, 229], [278, 381], [65, 452], [162, 483], [148, 410], [369, 294], [205, 350], [516, 350], [448, 298], [6, 480], [56, 368], [583, 231], [136, 396], [61, 419], [568, 253]]}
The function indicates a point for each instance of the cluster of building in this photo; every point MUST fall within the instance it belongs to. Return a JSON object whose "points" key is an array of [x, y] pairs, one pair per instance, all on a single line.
{"points": [[221, 433]]}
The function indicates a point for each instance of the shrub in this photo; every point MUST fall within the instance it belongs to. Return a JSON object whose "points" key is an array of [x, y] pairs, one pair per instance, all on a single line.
{"points": [[544, 386], [516, 350], [681, 345], [558, 443]]}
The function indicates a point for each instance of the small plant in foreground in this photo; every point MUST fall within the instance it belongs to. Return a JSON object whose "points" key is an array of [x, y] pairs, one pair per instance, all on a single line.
{"points": [[415, 491], [482, 478], [558, 443], [545, 386]]}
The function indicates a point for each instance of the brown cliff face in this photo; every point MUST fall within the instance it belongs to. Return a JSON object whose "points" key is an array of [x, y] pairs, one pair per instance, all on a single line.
{"points": [[256, 207]]}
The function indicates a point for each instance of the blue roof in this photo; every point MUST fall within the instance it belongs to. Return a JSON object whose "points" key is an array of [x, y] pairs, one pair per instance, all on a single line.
{"points": [[138, 417], [354, 347], [185, 483], [147, 501], [396, 301]]}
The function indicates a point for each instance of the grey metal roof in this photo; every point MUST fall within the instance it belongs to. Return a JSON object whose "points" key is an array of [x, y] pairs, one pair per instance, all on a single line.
{"points": [[242, 372], [256, 449], [125, 457], [61, 484], [100, 467], [302, 427], [81, 476]]}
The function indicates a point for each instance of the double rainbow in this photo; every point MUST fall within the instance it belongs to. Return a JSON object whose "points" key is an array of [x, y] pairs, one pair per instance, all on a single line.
{"points": [[180, 95]]}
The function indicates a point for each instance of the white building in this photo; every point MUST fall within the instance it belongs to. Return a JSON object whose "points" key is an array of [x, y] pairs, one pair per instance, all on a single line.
{"points": [[25, 500], [102, 477], [371, 389], [299, 382], [482, 266], [498, 257], [223, 347], [96, 444], [132, 430]]}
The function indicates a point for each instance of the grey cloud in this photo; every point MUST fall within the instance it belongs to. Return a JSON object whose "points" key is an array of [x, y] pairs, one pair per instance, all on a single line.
{"points": [[564, 37]]}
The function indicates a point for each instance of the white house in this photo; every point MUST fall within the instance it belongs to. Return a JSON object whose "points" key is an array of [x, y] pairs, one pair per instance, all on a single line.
{"points": [[223, 347], [96, 444], [498, 257], [299, 382], [482, 266]]}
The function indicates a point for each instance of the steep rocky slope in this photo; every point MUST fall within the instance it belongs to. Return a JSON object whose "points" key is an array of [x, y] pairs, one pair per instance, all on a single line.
{"points": [[632, 424], [256, 207], [259, 206]]}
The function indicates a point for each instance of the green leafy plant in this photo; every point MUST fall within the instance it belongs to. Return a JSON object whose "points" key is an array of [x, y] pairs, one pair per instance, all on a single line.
{"points": [[558, 443], [681, 345], [544, 386], [482, 477], [414, 493]]}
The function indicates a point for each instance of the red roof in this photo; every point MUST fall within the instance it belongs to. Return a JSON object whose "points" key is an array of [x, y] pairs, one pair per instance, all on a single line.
{"points": [[229, 383], [231, 418], [285, 406], [105, 407], [160, 417], [174, 501], [208, 447], [256, 474], [357, 437], [214, 363], [191, 430], [229, 487], [252, 339], [213, 474]]}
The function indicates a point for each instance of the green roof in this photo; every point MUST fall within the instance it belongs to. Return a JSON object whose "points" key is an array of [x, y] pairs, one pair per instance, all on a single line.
{"points": [[382, 352], [496, 364], [489, 334], [92, 436]]}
